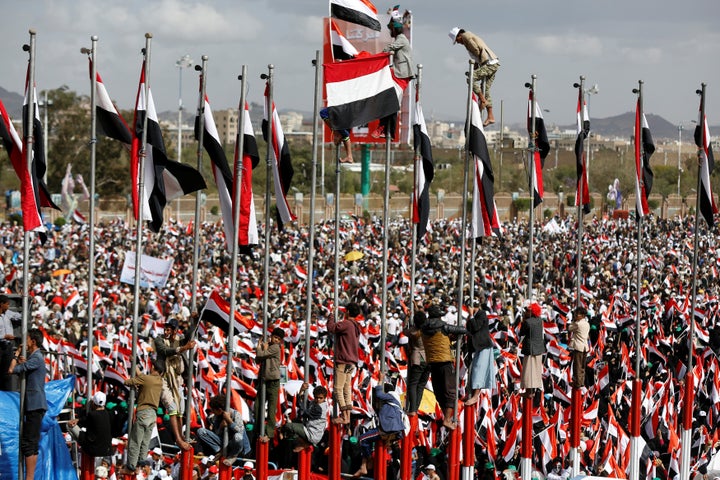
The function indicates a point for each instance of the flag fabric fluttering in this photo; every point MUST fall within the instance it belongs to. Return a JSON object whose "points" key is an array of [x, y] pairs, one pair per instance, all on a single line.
{"points": [[279, 160], [541, 148], [217, 312], [644, 148], [111, 123], [485, 220], [165, 179], [582, 192], [342, 49], [424, 172], [245, 161], [707, 165], [360, 12], [362, 90], [221, 170]]}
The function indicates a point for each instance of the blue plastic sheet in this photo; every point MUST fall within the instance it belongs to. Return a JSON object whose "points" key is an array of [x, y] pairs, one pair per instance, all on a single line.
{"points": [[54, 462]]}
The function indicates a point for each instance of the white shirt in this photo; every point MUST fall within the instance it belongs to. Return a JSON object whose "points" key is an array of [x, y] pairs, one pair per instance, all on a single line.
{"points": [[6, 327]]}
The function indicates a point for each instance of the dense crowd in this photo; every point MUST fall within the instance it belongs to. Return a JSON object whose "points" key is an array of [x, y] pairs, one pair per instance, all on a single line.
{"points": [[59, 306]]}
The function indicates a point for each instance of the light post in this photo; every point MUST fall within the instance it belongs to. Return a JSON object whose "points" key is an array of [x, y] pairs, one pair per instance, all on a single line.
{"points": [[680, 129], [45, 103], [183, 62], [594, 90]]}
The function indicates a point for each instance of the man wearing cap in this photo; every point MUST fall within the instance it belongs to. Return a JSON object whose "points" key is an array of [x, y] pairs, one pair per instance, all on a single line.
{"points": [[533, 348], [430, 473], [486, 66], [268, 354], [168, 349], [579, 329], [93, 433], [247, 471]]}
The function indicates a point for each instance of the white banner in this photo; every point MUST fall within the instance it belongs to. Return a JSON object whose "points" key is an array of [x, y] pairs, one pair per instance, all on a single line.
{"points": [[154, 272]]}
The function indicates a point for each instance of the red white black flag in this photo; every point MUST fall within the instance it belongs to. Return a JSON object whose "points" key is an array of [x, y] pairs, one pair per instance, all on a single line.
{"points": [[245, 161], [540, 150], [707, 165], [424, 172], [644, 148], [484, 214], [360, 12], [582, 193]]}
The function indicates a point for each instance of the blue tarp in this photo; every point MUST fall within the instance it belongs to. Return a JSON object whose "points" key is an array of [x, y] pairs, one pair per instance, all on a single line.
{"points": [[54, 462]]}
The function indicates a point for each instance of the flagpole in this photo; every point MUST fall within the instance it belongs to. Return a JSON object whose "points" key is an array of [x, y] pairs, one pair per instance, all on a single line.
{"points": [[532, 148], [417, 164], [29, 133], [634, 420], [229, 367], [91, 218], [454, 448], [266, 253], [576, 405], [138, 229], [689, 396]]}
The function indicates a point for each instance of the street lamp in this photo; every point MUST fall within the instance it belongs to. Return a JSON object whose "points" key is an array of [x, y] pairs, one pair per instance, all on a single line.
{"points": [[183, 62], [45, 103]]}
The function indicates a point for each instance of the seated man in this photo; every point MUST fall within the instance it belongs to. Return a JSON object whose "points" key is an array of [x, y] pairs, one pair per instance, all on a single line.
{"points": [[211, 440], [313, 421], [390, 422]]}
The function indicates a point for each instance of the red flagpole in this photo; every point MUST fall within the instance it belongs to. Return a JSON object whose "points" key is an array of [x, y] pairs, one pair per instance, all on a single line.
{"points": [[87, 472], [468, 461], [304, 462], [575, 421], [380, 461], [261, 463], [334, 460], [454, 455], [407, 445], [527, 436], [186, 464]]}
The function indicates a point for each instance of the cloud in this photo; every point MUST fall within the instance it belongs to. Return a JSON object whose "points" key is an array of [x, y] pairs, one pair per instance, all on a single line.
{"points": [[569, 45]]}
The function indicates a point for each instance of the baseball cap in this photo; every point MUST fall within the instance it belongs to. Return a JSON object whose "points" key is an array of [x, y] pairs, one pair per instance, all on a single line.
{"points": [[248, 465], [213, 469], [99, 399], [157, 451], [430, 467], [453, 34], [101, 471]]}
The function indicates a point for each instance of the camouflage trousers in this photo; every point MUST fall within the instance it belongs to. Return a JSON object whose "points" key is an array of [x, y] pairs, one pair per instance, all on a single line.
{"points": [[487, 73]]}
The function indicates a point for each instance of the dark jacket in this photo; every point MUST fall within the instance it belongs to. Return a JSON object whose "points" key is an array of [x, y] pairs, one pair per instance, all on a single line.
{"points": [[96, 440], [479, 331], [34, 368], [435, 339], [534, 341], [347, 340], [390, 413]]}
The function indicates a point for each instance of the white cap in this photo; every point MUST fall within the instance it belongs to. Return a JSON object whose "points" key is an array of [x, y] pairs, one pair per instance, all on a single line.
{"points": [[157, 451], [99, 399], [101, 471], [453, 36], [248, 465], [430, 467]]}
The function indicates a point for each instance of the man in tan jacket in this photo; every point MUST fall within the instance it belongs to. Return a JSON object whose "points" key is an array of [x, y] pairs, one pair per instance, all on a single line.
{"points": [[486, 66], [578, 344]]}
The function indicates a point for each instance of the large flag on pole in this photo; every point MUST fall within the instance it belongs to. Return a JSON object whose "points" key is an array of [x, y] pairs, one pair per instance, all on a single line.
{"points": [[221, 170], [217, 312], [279, 160], [112, 124], [541, 150], [362, 90], [484, 214], [165, 180], [32, 219], [582, 193], [644, 148], [707, 165], [424, 172], [245, 161], [360, 12]]}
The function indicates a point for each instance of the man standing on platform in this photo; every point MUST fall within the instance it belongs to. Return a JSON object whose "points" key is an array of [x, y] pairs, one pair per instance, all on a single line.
{"points": [[268, 354], [533, 348], [7, 340], [347, 342], [96, 438]]}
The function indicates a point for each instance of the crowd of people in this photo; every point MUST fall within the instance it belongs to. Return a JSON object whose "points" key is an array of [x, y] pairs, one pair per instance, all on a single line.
{"points": [[512, 346]]}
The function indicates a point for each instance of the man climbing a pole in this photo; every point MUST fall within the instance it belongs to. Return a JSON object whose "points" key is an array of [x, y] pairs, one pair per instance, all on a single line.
{"points": [[347, 342], [486, 66]]}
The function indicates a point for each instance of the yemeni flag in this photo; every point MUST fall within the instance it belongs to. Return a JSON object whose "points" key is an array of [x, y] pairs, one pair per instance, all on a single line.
{"points": [[424, 172], [221, 170], [360, 12], [279, 160], [541, 150], [484, 214], [342, 49], [644, 148], [32, 219], [247, 227], [111, 123], [217, 312], [582, 193], [707, 165], [165, 180], [361, 90]]}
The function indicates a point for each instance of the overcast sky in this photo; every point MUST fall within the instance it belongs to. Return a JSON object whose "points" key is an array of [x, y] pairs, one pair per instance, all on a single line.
{"points": [[670, 45]]}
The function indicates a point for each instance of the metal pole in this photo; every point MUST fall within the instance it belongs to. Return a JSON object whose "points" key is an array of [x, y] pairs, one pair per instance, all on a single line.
{"points": [[418, 164], [680, 128], [46, 104], [183, 62], [580, 212], [91, 217], [502, 144], [689, 396], [531, 160], [139, 229]]}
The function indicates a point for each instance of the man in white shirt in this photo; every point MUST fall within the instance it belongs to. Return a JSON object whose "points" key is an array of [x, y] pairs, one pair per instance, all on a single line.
{"points": [[7, 341]]}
